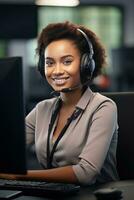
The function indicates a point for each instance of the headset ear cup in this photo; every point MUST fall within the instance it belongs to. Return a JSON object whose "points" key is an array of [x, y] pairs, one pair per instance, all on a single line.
{"points": [[87, 67], [92, 66]]}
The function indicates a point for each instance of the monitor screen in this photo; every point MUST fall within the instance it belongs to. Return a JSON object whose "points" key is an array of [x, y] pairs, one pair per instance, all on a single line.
{"points": [[12, 123], [18, 21]]}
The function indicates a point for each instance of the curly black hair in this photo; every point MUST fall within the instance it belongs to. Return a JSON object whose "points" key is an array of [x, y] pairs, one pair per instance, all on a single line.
{"points": [[68, 30]]}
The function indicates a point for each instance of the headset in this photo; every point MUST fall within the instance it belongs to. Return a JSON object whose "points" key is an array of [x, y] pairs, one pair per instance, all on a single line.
{"points": [[87, 65]]}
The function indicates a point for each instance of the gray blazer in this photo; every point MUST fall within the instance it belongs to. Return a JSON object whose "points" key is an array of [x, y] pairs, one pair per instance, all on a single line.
{"points": [[89, 144]]}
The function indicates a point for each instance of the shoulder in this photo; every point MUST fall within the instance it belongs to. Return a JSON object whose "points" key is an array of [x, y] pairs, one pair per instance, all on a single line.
{"points": [[102, 100], [47, 103], [93, 100], [43, 108]]}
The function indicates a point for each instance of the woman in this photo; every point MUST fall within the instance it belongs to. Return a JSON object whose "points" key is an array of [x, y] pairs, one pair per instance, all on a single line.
{"points": [[75, 133]]}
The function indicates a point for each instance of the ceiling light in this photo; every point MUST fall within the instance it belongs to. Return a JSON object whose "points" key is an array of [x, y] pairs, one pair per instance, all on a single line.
{"points": [[58, 2]]}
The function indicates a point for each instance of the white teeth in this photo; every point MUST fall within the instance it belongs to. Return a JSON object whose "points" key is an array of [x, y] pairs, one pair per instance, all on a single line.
{"points": [[59, 81]]}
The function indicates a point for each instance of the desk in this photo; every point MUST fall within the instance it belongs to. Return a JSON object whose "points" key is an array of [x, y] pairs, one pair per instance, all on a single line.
{"points": [[83, 194], [127, 187]]}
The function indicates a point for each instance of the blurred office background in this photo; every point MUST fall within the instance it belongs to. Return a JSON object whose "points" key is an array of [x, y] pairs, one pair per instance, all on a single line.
{"points": [[112, 20]]}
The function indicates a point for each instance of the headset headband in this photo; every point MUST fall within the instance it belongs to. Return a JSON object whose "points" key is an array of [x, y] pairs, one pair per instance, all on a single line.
{"points": [[88, 41]]}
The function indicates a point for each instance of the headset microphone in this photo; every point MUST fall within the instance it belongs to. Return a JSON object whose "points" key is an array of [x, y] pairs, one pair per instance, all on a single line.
{"points": [[67, 90]]}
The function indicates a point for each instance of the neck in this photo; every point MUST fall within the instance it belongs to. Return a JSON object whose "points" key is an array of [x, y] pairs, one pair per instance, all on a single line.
{"points": [[71, 98]]}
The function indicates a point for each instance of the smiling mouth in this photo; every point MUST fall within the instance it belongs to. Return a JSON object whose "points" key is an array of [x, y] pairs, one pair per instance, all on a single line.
{"points": [[60, 81]]}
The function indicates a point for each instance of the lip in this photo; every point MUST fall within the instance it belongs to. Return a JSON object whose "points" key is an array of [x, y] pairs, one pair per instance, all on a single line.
{"points": [[60, 80]]}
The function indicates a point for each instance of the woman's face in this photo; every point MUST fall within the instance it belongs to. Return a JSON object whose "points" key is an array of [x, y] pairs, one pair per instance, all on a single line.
{"points": [[62, 64]]}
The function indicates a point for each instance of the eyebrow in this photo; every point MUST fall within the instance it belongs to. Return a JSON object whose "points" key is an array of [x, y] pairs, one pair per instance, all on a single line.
{"points": [[48, 58], [61, 57], [67, 56]]}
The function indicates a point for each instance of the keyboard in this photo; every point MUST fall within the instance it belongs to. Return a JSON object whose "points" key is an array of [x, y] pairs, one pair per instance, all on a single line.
{"points": [[39, 188]]}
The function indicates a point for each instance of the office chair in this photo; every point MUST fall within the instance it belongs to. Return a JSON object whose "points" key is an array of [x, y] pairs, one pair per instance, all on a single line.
{"points": [[125, 147]]}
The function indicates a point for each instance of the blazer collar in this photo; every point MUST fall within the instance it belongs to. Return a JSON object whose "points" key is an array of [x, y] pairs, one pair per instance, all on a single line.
{"points": [[85, 99]]}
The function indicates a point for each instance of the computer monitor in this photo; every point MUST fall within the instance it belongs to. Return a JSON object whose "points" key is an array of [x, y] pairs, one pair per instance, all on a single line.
{"points": [[18, 20], [12, 123]]}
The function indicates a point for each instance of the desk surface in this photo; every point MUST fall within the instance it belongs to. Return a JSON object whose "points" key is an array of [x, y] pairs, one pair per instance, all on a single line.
{"points": [[83, 194], [127, 188]]}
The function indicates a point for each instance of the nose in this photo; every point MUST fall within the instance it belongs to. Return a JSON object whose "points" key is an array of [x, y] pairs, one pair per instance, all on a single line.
{"points": [[58, 69]]}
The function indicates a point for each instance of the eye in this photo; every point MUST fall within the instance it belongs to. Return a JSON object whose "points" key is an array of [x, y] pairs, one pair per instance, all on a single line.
{"points": [[48, 63], [67, 61]]}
